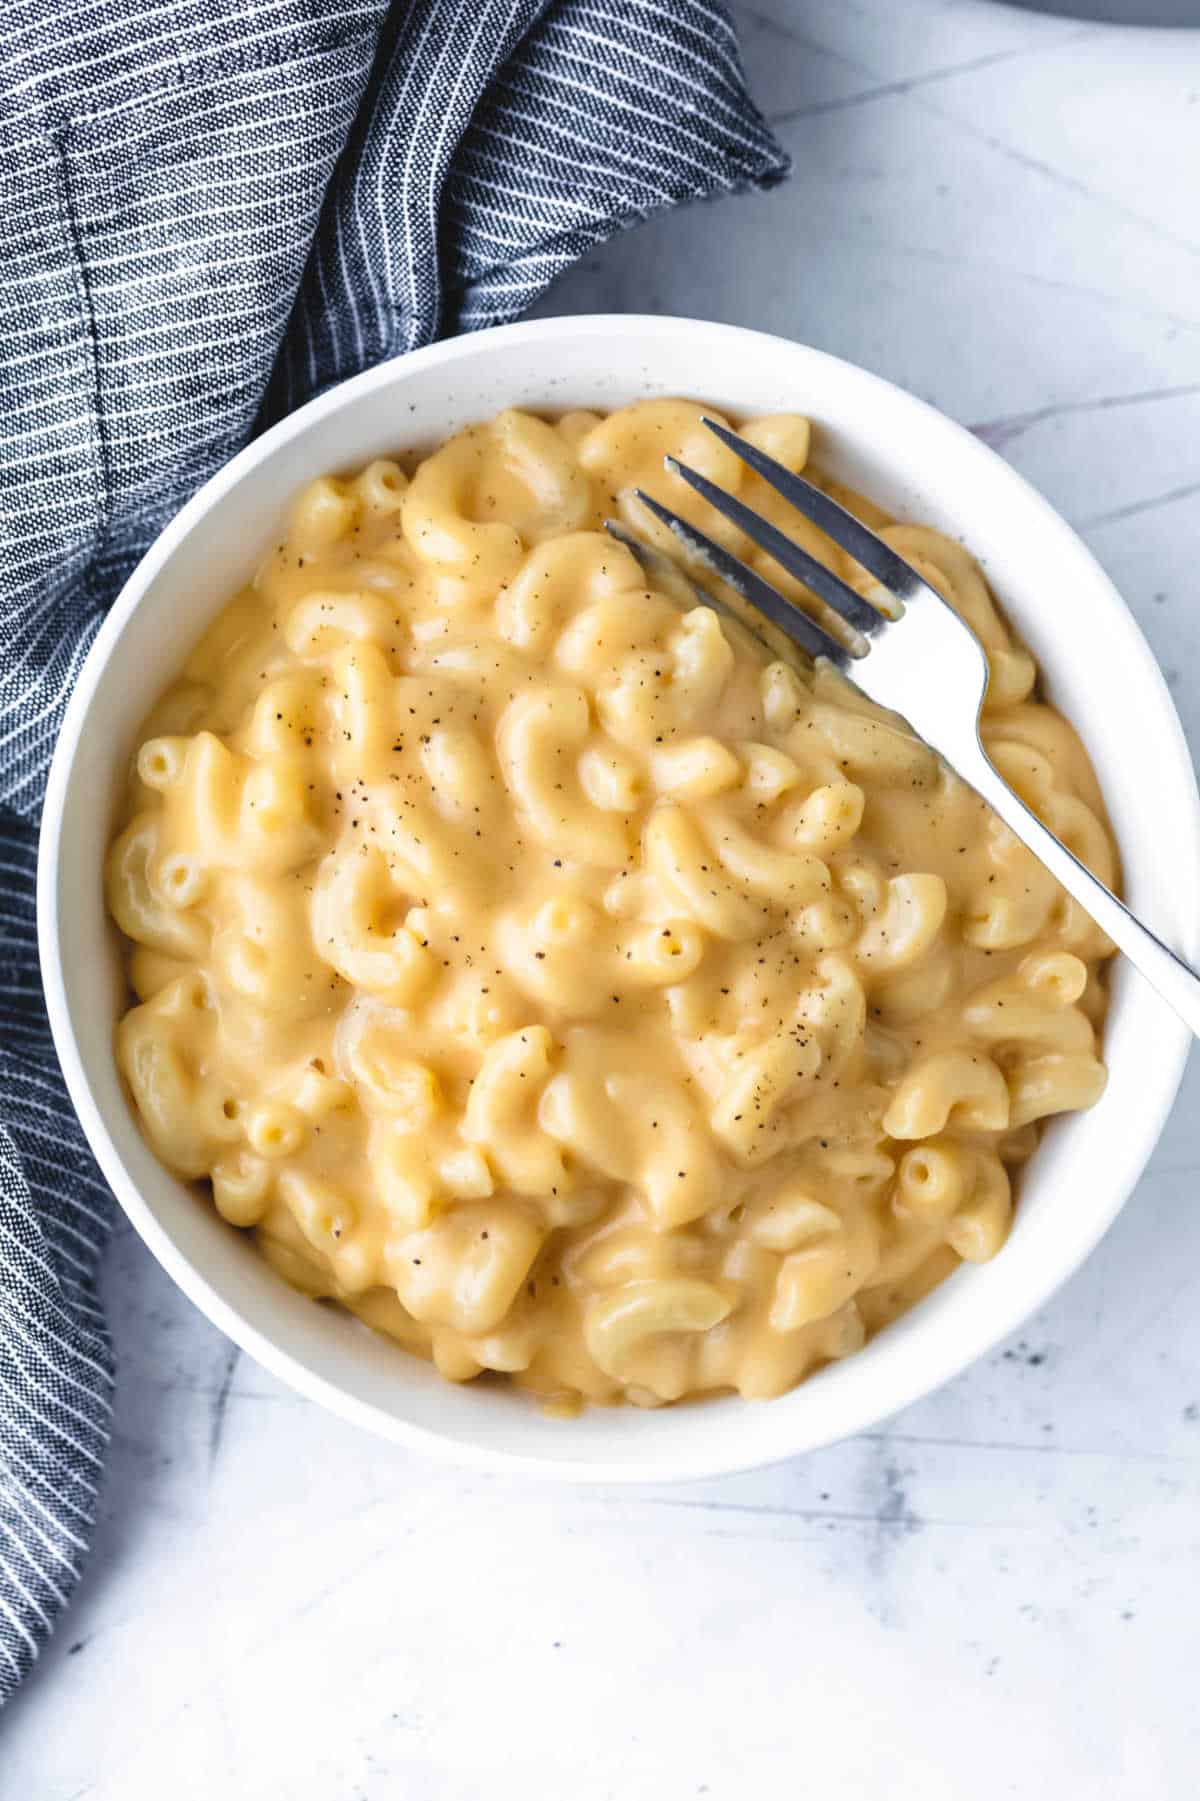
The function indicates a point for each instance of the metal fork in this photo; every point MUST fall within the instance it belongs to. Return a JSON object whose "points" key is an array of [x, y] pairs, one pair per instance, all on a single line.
{"points": [[919, 659]]}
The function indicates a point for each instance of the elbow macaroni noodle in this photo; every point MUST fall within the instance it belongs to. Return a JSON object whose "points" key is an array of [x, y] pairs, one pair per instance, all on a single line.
{"points": [[540, 971]]}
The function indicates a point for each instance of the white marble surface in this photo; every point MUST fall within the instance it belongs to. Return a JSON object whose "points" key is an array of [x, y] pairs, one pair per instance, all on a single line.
{"points": [[999, 1594]]}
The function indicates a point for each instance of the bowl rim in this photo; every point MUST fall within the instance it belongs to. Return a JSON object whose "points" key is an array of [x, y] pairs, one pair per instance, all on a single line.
{"points": [[877, 1405]]}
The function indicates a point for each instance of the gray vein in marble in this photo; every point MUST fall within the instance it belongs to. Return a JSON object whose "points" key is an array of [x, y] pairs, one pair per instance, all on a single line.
{"points": [[910, 88], [977, 264], [895, 1520], [785, 31], [1066, 33], [1150, 504], [892, 1510], [1024, 159], [906, 85], [998, 432], [1116, 1453], [220, 1405]]}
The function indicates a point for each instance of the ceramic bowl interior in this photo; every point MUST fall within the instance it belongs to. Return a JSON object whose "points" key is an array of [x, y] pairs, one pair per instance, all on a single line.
{"points": [[919, 465]]}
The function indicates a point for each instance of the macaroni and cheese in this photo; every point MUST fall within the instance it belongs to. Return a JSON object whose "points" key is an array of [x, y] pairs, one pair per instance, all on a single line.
{"points": [[547, 975]]}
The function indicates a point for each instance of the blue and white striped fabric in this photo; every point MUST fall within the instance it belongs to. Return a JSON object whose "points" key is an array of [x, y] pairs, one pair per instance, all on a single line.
{"points": [[209, 210]]}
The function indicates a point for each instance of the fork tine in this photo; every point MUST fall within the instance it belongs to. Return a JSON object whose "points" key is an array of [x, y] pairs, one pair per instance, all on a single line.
{"points": [[857, 539], [832, 589], [795, 625], [670, 576]]}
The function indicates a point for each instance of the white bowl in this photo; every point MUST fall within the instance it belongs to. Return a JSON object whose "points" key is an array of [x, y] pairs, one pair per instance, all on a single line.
{"points": [[921, 466]]}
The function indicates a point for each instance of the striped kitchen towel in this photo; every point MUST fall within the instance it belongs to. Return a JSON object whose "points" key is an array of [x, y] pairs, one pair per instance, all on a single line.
{"points": [[209, 212]]}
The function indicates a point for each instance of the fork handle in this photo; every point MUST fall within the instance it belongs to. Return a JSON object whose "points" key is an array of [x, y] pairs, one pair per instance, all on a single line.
{"points": [[1178, 985]]}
